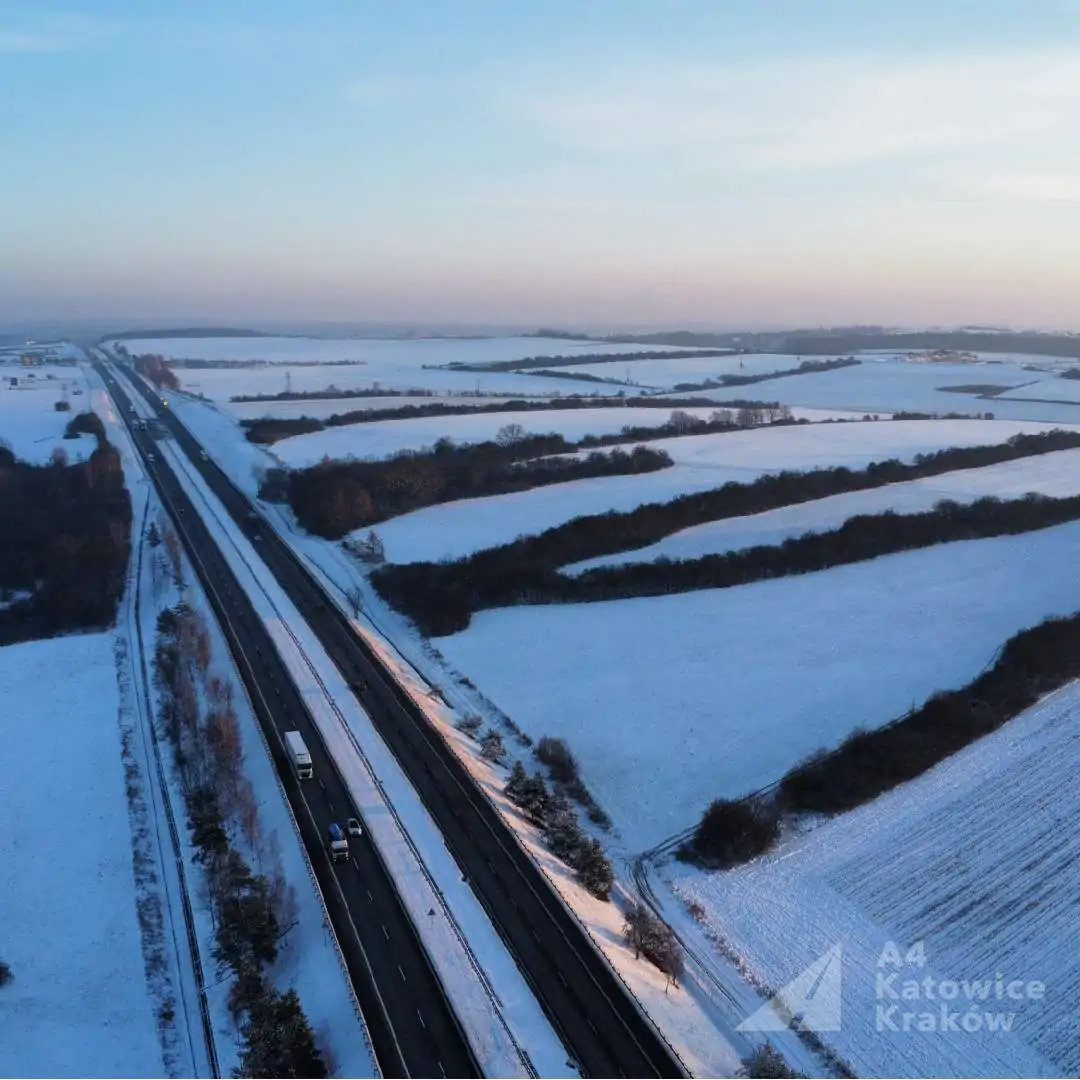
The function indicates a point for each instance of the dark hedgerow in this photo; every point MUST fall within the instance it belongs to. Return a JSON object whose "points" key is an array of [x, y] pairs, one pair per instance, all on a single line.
{"points": [[334, 497], [1031, 664], [441, 597]]}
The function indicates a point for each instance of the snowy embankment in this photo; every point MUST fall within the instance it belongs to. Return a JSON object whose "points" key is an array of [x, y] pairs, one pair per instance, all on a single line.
{"points": [[29, 422], [1056, 474], [976, 860], [79, 1003], [489, 994], [719, 692], [454, 530]]}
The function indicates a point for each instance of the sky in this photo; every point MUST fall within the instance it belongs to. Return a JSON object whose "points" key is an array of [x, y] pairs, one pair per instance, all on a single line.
{"points": [[733, 163]]}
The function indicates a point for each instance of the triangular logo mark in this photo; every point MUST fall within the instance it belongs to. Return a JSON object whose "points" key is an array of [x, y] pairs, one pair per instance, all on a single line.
{"points": [[810, 1002]]}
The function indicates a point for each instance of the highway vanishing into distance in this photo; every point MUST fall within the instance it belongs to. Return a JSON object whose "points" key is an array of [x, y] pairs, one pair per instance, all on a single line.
{"points": [[599, 1022], [413, 1027]]}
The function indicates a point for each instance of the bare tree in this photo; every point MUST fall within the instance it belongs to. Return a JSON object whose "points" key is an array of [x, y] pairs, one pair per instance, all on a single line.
{"points": [[509, 434]]}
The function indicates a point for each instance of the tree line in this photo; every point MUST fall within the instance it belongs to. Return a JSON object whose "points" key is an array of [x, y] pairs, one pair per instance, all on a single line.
{"points": [[866, 764], [332, 498], [441, 597], [807, 367], [154, 367], [65, 538], [251, 910], [574, 359], [266, 430]]}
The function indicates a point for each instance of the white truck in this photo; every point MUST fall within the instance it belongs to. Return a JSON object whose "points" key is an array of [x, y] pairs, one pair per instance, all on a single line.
{"points": [[337, 843], [298, 751]]}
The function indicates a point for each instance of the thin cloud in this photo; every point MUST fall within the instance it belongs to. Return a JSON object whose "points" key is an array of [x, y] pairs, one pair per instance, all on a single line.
{"points": [[378, 90], [56, 34], [817, 115]]}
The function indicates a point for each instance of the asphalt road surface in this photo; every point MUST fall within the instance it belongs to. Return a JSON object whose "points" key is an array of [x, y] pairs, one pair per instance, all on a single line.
{"points": [[599, 1022], [412, 1025]]}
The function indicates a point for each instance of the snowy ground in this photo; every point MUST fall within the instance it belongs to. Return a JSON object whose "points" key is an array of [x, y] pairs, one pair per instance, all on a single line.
{"points": [[452, 530], [29, 422], [1056, 474], [397, 365], [887, 384], [1047, 390], [977, 860], [79, 1004], [667, 373], [671, 702], [387, 437]]}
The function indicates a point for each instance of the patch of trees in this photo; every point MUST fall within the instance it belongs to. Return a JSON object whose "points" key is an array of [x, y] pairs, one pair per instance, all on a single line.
{"points": [[767, 1062], [65, 537], [574, 359], [1071, 373], [441, 597], [334, 497], [807, 367], [566, 775], [154, 367], [270, 429], [652, 938], [332, 393], [251, 910], [866, 764], [563, 835], [910, 415], [189, 332]]}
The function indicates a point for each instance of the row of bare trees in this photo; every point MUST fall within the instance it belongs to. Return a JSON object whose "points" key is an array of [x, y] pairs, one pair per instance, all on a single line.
{"points": [[252, 909]]}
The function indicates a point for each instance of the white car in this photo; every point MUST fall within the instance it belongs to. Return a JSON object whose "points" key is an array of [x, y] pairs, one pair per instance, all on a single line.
{"points": [[352, 827]]}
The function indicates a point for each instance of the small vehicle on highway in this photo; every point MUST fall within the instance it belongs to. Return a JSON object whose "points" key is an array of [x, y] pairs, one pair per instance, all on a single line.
{"points": [[352, 827], [338, 845]]}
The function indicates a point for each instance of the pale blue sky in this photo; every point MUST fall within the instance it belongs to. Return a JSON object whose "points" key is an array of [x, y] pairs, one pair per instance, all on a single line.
{"points": [[737, 162]]}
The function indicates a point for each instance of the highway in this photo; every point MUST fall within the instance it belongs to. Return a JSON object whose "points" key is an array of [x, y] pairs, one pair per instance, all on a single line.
{"points": [[412, 1025], [587, 1004]]}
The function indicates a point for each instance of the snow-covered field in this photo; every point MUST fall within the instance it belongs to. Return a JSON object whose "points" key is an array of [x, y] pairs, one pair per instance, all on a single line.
{"points": [[29, 422], [888, 384], [79, 1004], [452, 530], [1056, 474], [673, 701], [667, 373], [380, 440], [397, 365], [978, 860], [1047, 390]]}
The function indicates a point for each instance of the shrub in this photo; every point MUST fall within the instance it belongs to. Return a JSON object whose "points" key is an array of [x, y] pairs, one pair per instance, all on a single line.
{"points": [[652, 938], [594, 870], [491, 746], [470, 725], [6, 975], [766, 1061], [732, 832], [555, 754]]}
